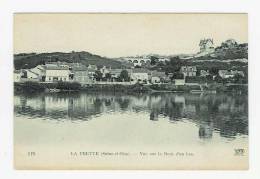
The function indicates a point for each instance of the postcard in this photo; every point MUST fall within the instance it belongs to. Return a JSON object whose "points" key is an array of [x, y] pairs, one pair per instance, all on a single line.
{"points": [[124, 91]]}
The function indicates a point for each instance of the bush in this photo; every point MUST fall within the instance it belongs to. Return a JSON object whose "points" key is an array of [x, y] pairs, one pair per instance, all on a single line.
{"points": [[139, 88], [32, 87]]}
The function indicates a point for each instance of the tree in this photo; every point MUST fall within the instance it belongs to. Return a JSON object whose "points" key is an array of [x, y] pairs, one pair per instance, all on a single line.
{"points": [[177, 75], [124, 76], [98, 75], [108, 76], [174, 65], [213, 71], [238, 78], [154, 60]]}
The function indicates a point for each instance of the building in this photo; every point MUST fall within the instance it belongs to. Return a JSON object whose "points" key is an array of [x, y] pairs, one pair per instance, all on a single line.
{"points": [[237, 72], [188, 71], [179, 82], [81, 75], [140, 75], [115, 73], [225, 74], [91, 73], [204, 72], [17, 75], [56, 73], [104, 70], [92, 67], [31, 75], [157, 77], [206, 46], [230, 73], [41, 71]]}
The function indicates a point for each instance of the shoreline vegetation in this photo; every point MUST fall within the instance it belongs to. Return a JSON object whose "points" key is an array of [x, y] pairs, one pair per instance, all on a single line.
{"points": [[69, 87]]}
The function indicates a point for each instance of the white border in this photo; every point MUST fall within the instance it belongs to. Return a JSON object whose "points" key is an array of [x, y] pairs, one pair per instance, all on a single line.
{"points": [[8, 7]]}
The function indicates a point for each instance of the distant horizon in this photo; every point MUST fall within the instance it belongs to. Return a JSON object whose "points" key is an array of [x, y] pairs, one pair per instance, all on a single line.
{"points": [[121, 35], [120, 56], [101, 55]]}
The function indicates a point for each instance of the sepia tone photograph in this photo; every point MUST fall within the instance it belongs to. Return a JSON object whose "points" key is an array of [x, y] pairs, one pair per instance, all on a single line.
{"points": [[130, 91]]}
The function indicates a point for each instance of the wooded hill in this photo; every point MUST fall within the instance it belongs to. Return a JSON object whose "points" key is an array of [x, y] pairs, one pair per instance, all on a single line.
{"points": [[30, 60]]}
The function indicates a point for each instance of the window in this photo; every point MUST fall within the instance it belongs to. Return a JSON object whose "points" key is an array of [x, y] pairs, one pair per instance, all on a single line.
{"points": [[55, 79]]}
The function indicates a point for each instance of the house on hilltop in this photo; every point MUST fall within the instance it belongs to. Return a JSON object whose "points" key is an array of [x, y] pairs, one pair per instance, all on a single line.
{"points": [[206, 46]]}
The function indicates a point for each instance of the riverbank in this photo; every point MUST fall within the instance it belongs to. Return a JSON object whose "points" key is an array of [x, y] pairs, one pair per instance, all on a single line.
{"points": [[34, 87], [68, 87]]}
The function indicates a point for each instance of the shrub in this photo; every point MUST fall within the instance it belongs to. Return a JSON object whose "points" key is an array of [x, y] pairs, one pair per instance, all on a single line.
{"points": [[31, 87]]}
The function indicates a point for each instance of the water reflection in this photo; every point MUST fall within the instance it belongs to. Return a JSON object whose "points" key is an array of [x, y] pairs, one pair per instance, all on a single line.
{"points": [[224, 113]]}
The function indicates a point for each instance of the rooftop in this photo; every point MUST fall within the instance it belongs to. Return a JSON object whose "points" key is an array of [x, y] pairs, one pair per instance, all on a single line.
{"points": [[56, 67], [80, 68]]}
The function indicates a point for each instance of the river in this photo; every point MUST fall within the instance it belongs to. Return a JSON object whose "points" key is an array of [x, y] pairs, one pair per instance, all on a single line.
{"points": [[212, 128]]}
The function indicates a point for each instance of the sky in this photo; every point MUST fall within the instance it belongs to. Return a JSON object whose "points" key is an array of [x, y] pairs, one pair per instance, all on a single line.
{"points": [[117, 35]]}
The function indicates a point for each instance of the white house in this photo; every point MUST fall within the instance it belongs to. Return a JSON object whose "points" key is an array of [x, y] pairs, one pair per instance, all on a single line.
{"points": [[230, 74], [40, 69], [139, 75], [17, 75], [188, 70], [204, 72], [104, 70], [155, 79], [225, 74], [179, 82], [206, 46], [234, 72], [57, 73], [32, 75]]}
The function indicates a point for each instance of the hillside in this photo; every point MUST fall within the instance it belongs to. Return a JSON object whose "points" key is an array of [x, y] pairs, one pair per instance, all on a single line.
{"points": [[30, 60], [223, 52]]}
